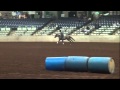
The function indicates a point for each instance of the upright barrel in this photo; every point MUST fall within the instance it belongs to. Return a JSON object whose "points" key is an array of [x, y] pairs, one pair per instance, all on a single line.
{"points": [[101, 65], [76, 63], [55, 63]]}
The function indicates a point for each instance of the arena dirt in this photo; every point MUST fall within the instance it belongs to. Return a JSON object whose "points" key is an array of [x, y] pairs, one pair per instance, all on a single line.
{"points": [[26, 60]]}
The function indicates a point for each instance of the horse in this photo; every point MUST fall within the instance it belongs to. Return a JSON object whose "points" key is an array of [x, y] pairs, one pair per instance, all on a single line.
{"points": [[67, 37]]}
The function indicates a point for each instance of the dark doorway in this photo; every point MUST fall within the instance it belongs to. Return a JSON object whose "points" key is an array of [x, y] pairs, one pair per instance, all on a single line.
{"points": [[72, 14], [59, 14]]}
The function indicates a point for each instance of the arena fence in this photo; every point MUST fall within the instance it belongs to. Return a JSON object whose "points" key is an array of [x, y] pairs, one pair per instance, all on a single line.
{"points": [[89, 38]]}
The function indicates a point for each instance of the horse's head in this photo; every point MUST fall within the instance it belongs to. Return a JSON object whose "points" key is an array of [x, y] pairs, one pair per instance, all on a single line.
{"points": [[56, 35]]}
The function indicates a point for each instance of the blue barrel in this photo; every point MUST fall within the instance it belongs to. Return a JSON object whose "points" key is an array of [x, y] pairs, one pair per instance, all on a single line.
{"points": [[55, 63], [76, 63], [101, 65]]}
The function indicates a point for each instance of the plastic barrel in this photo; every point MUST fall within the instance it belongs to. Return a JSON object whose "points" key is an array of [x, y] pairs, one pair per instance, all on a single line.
{"points": [[55, 63], [101, 65], [76, 63]]}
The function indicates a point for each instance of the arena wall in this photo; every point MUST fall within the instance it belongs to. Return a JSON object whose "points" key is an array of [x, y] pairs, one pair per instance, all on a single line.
{"points": [[110, 38]]}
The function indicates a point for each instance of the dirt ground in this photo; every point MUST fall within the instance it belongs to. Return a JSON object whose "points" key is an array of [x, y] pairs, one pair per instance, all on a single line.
{"points": [[26, 60]]}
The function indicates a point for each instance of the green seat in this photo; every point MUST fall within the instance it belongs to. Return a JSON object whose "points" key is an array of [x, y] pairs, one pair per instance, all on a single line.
{"points": [[24, 28], [2, 29]]}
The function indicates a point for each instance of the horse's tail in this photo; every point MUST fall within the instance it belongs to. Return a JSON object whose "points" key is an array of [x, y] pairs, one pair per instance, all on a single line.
{"points": [[72, 38]]}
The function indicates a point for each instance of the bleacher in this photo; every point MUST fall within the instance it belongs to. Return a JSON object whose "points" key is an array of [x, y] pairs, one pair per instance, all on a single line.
{"points": [[4, 31], [83, 30], [67, 25], [22, 26], [105, 25], [47, 29]]}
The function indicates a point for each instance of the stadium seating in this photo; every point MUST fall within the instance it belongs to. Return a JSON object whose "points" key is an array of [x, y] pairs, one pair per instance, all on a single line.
{"points": [[14, 23], [4, 31], [23, 26], [67, 25], [105, 25], [47, 29]]}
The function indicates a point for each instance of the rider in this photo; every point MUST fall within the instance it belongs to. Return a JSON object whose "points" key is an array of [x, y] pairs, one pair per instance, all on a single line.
{"points": [[61, 35]]}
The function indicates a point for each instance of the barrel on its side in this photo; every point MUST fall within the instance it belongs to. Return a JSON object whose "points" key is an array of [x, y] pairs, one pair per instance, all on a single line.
{"points": [[55, 63], [101, 65], [76, 63]]}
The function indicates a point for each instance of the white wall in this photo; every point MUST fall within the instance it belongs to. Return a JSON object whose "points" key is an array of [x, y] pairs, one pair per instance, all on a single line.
{"points": [[53, 12], [110, 38], [66, 13]]}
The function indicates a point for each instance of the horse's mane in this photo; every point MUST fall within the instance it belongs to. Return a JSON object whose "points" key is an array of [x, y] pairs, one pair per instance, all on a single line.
{"points": [[58, 34]]}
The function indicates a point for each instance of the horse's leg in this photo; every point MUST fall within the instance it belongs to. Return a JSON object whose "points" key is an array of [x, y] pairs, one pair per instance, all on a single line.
{"points": [[72, 38], [69, 41], [62, 41], [58, 41]]}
